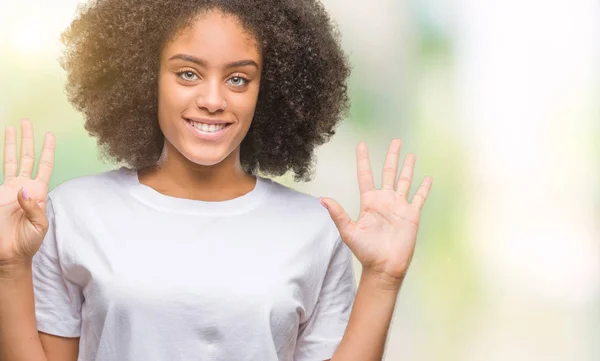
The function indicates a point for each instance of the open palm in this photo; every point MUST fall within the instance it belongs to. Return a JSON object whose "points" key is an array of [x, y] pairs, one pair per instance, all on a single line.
{"points": [[23, 222], [384, 235]]}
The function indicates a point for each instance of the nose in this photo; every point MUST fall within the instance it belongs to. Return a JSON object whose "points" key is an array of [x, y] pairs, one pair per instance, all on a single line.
{"points": [[211, 97]]}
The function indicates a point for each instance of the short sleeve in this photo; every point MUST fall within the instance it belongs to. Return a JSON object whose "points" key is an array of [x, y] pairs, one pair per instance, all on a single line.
{"points": [[57, 300], [320, 335]]}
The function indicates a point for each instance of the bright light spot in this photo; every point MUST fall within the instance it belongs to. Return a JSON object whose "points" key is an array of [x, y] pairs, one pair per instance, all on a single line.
{"points": [[30, 39]]}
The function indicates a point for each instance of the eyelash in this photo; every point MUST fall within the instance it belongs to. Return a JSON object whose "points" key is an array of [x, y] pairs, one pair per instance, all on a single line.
{"points": [[181, 72]]}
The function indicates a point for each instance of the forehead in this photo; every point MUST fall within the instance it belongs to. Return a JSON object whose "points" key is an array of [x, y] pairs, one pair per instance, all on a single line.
{"points": [[216, 37]]}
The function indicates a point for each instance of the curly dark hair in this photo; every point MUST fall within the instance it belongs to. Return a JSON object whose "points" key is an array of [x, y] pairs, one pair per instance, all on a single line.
{"points": [[112, 58]]}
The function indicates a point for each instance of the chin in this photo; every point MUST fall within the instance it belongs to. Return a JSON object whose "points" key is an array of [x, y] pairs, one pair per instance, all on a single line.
{"points": [[206, 158]]}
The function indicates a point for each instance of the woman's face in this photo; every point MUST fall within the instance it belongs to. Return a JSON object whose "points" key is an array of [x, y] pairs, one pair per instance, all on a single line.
{"points": [[208, 87]]}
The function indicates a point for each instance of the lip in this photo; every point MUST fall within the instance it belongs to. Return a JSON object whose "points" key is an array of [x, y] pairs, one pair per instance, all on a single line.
{"points": [[208, 136]]}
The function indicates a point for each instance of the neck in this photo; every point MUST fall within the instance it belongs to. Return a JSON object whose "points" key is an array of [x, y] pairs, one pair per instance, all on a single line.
{"points": [[176, 176]]}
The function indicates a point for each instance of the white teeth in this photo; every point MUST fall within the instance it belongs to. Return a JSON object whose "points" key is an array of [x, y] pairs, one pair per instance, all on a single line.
{"points": [[208, 128]]}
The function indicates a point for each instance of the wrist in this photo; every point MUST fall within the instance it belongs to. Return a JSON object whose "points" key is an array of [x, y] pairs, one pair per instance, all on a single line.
{"points": [[15, 269], [380, 281]]}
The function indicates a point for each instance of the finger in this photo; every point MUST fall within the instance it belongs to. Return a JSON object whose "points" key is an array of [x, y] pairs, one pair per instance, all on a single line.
{"points": [[10, 153], [47, 159], [33, 211], [390, 166], [422, 193], [406, 175], [365, 175], [342, 220], [27, 149]]}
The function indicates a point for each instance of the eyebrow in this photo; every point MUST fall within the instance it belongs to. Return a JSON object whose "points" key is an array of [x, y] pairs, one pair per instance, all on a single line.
{"points": [[201, 62]]}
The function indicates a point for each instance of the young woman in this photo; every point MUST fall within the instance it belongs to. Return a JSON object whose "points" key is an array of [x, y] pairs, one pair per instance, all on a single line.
{"points": [[185, 252]]}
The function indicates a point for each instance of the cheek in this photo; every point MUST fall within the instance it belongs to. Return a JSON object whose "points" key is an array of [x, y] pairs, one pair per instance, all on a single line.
{"points": [[173, 100], [169, 105], [170, 95], [246, 105]]}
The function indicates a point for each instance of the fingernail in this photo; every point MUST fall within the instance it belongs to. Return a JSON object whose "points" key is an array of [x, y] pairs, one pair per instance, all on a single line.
{"points": [[323, 203], [25, 195]]}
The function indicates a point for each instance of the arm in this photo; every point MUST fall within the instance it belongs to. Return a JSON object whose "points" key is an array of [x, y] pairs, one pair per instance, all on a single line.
{"points": [[60, 348], [19, 338], [366, 333]]}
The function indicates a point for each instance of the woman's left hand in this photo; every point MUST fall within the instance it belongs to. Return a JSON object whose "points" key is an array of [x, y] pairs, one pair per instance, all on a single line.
{"points": [[383, 238]]}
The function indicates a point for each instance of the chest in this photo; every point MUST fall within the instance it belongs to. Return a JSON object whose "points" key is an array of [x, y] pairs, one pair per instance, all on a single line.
{"points": [[200, 276]]}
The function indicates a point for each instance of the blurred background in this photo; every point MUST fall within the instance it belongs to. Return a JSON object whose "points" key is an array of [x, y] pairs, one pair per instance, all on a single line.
{"points": [[499, 100]]}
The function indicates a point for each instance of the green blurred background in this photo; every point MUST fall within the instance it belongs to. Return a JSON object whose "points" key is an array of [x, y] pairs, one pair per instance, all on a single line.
{"points": [[500, 103]]}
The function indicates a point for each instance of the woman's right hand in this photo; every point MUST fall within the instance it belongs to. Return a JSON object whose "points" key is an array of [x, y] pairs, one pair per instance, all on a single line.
{"points": [[23, 221]]}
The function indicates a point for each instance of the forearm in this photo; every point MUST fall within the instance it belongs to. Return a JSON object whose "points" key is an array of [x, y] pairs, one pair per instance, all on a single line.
{"points": [[367, 330], [19, 340]]}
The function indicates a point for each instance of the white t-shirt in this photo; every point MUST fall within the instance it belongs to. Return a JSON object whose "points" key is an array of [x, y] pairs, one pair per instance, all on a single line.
{"points": [[141, 276]]}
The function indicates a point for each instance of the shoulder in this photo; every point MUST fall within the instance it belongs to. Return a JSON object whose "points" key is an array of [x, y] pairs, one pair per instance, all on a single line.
{"points": [[301, 209], [89, 188], [293, 200]]}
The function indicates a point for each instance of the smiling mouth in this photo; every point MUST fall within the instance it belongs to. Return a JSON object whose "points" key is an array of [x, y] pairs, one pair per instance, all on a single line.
{"points": [[208, 128]]}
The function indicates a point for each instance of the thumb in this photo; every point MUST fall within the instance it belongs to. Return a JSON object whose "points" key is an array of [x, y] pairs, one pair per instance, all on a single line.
{"points": [[342, 220], [34, 213]]}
